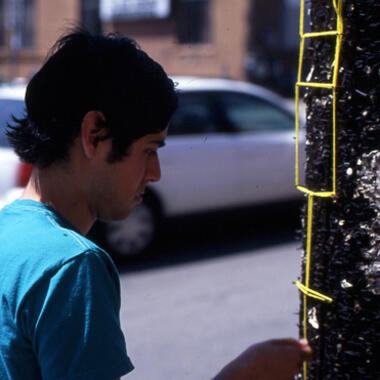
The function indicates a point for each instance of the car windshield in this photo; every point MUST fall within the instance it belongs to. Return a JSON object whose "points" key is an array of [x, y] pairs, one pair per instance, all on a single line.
{"points": [[9, 107]]}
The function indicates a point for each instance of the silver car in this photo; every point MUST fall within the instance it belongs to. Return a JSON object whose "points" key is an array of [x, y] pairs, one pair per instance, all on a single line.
{"points": [[230, 144], [13, 173]]}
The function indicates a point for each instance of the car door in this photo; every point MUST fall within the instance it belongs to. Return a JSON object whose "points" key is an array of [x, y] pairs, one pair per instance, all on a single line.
{"points": [[264, 143], [9, 161], [199, 167]]}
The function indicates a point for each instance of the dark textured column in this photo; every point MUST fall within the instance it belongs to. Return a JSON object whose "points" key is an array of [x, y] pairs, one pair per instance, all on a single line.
{"points": [[345, 264]]}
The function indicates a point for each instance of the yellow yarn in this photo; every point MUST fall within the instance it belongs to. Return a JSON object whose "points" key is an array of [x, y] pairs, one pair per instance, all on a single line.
{"points": [[338, 33]]}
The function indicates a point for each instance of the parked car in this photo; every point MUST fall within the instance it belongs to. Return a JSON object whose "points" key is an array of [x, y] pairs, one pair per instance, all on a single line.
{"points": [[13, 174], [230, 144]]}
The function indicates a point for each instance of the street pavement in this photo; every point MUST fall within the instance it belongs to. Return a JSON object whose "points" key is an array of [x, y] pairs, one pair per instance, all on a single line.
{"points": [[185, 321]]}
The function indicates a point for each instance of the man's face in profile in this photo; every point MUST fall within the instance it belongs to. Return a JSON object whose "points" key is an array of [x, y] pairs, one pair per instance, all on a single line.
{"points": [[116, 187]]}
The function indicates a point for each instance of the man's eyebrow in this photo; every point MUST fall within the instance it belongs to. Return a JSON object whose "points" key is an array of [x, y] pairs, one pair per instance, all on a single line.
{"points": [[159, 143]]}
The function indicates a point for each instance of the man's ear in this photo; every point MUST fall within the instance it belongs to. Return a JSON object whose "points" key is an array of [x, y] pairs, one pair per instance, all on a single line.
{"points": [[92, 132]]}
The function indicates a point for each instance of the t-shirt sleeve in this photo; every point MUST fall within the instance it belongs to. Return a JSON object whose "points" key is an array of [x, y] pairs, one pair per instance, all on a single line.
{"points": [[76, 333]]}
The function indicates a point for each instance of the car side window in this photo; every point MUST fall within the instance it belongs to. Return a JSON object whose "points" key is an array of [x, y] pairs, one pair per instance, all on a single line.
{"points": [[250, 113], [194, 114], [9, 107]]}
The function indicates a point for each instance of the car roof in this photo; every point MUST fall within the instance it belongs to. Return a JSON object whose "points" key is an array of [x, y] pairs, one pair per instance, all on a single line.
{"points": [[190, 83], [12, 91], [183, 84]]}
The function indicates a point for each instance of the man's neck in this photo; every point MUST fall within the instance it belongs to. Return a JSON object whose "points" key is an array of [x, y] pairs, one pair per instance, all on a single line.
{"points": [[61, 189]]}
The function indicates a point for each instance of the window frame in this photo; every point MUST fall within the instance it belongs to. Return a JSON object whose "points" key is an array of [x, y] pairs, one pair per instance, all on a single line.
{"points": [[212, 104], [186, 31], [2, 24], [234, 128]]}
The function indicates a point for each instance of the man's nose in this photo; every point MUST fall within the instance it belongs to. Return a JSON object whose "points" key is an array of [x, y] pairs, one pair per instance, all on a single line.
{"points": [[154, 170]]}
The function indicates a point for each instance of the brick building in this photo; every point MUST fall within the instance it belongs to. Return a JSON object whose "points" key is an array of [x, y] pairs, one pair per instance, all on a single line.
{"points": [[201, 37], [28, 28], [253, 40], [239, 39]]}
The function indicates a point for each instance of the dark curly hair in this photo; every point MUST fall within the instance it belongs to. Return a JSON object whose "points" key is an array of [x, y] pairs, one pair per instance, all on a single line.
{"points": [[84, 72]]}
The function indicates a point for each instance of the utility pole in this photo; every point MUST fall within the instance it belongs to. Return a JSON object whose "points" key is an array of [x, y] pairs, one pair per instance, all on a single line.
{"points": [[342, 231]]}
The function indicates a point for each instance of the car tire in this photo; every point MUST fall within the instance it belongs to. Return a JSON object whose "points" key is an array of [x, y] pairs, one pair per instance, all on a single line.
{"points": [[133, 236]]}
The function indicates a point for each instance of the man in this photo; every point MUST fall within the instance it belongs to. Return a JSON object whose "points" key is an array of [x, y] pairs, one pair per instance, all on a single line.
{"points": [[96, 114]]}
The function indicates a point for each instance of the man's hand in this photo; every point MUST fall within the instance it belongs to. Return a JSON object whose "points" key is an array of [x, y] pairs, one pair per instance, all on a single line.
{"points": [[271, 360]]}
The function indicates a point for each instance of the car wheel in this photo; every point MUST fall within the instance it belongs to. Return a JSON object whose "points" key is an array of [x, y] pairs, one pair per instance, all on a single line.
{"points": [[134, 235]]}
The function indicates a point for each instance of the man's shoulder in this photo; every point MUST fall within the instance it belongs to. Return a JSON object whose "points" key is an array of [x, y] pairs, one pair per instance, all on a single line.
{"points": [[36, 241], [31, 228]]}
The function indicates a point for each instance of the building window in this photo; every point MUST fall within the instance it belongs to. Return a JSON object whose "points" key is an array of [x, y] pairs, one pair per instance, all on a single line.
{"points": [[290, 26], [20, 17], [193, 22], [17, 21], [90, 16], [27, 23], [2, 23]]}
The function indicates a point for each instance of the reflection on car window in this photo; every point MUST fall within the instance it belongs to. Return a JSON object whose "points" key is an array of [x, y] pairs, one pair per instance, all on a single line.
{"points": [[8, 107], [250, 113], [194, 115]]}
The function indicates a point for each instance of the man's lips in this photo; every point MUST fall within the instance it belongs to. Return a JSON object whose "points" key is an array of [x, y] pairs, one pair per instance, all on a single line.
{"points": [[139, 196]]}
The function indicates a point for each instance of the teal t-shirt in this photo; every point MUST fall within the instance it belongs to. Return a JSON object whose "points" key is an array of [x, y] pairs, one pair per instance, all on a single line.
{"points": [[59, 300]]}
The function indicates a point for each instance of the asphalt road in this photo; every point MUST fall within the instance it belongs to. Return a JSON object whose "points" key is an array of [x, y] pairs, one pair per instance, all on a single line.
{"points": [[185, 318]]}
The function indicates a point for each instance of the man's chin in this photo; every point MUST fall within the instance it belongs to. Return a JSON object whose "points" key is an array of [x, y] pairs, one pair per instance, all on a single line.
{"points": [[116, 216]]}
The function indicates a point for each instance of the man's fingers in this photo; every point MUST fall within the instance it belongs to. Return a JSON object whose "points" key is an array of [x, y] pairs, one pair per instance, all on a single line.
{"points": [[269, 360], [301, 344], [289, 341], [307, 355], [306, 351]]}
